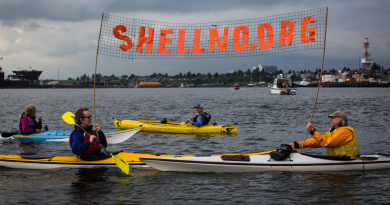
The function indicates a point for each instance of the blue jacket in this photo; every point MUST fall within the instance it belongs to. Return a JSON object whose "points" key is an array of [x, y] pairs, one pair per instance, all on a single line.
{"points": [[79, 146], [199, 121]]}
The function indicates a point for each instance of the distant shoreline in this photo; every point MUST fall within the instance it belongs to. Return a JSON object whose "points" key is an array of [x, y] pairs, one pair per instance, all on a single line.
{"points": [[66, 87]]}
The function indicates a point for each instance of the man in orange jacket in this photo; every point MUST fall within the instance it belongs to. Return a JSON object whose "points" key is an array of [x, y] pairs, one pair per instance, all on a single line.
{"points": [[340, 140]]}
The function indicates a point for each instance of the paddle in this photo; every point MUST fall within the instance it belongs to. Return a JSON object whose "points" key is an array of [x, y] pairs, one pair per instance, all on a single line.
{"points": [[9, 134], [68, 117]]}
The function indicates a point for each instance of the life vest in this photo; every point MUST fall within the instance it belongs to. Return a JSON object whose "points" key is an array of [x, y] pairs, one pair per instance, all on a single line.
{"points": [[94, 147], [206, 116], [31, 123], [350, 148]]}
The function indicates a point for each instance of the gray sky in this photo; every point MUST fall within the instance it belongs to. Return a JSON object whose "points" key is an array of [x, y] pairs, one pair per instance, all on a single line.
{"points": [[52, 35]]}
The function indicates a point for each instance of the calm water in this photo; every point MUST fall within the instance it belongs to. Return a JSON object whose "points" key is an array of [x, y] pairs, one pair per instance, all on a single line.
{"points": [[265, 121]]}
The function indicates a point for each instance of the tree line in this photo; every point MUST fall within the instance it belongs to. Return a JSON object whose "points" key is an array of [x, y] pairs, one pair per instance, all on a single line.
{"points": [[240, 76]]}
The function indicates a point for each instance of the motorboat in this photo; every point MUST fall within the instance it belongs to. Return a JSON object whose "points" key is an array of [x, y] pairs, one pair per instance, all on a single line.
{"points": [[283, 86], [236, 87], [303, 83]]}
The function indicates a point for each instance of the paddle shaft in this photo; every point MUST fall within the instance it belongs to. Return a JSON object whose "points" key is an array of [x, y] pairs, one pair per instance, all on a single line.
{"points": [[94, 79], [101, 146], [319, 82]]}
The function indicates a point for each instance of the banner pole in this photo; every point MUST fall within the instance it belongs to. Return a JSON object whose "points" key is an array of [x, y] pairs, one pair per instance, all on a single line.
{"points": [[94, 80], [319, 81]]}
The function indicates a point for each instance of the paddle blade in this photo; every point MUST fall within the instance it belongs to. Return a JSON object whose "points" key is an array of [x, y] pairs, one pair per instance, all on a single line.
{"points": [[121, 163], [9, 134], [68, 117]]}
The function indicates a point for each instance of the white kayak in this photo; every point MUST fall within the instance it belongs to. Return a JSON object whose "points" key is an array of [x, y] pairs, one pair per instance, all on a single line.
{"points": [[261, 163], [113, 137]]}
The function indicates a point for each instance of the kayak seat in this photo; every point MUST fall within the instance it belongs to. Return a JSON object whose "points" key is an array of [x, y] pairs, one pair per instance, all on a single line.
{"points": [[101, 157], [384, 154], [339, 158], [235, 158]]}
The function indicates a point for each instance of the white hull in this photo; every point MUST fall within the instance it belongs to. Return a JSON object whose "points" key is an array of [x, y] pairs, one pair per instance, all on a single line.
{"points": [[260, 163], [281, 91]]}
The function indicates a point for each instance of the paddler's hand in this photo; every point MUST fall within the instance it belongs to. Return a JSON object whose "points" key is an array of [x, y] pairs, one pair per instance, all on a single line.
{"points": [[97, 128], [37, 130], [309, 127], [190, 121], [292, 145], [40, 119], [92, 138]]}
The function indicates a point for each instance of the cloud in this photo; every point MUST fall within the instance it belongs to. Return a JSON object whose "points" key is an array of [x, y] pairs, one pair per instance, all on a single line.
{"points": [[52, 35]]}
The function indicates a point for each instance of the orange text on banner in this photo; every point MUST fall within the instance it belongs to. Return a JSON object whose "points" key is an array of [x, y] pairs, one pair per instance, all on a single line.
{"points": [[164, 40], [236, 38], [270, 36], [122, 28], [312, 30], [142, 40], [195, 47], [214, 35], [180, 46], [284, 32]]}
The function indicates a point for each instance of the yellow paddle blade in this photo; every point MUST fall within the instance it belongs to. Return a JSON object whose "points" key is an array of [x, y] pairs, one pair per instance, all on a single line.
{"points": [[68, 117], [121, 163]]}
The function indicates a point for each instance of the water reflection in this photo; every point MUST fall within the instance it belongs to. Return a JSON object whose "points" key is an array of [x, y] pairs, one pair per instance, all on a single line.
{"points": [[265, 122], [326, 187], [90, 185], [29, 148]]}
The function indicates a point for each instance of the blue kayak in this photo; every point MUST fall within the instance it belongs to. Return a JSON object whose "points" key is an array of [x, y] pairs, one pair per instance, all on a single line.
{"points": [[113, 137]]}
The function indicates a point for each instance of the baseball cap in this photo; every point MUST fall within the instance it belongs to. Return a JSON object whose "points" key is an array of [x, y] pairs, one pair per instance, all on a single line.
{"points": [[199, 106], [339, 114]]}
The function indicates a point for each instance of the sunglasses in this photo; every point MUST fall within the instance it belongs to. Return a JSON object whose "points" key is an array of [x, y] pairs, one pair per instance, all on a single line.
{"points": [[89, 117]]}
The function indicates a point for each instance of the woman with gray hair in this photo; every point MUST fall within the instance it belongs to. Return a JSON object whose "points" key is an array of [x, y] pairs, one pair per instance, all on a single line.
{"points": [[27, 123], [340, 140]]}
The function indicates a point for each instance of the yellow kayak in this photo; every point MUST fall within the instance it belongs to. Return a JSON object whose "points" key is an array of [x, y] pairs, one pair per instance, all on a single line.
{"points": [[53, 162], [174, 127]]}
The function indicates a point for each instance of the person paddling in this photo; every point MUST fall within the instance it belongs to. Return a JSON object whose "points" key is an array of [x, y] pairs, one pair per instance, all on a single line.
{"points": [[201, 118], [340, 140], [27, 123], [82, 144]]}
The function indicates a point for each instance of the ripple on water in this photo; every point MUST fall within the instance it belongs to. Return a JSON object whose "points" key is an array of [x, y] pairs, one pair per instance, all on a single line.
{"points": [[265, 121]]}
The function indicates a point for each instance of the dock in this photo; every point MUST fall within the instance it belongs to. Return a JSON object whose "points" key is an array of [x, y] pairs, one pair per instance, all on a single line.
{"points": [[350, 84]]}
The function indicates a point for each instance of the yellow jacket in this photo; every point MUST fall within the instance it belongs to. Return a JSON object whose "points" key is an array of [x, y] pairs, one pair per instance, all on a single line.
{"points": [[339, 142]]}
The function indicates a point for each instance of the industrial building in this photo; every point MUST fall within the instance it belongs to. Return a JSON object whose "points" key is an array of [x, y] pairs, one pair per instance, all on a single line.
{"points": [[268, 68]]}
